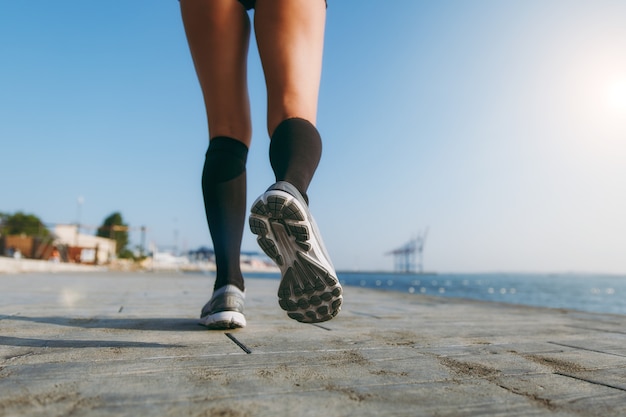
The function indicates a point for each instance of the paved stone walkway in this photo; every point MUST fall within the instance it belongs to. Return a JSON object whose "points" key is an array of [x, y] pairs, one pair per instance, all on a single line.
{"points": [[111, 344]]}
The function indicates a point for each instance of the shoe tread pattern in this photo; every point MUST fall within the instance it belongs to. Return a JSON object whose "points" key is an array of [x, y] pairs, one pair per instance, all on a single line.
{"points": [[308, 292]]}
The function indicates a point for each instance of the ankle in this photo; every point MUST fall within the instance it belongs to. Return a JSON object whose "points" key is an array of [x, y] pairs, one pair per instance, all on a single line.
{"points": [[221, 284]]}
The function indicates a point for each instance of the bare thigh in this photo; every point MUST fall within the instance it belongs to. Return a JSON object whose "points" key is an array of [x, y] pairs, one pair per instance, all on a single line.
{"points": [[290, 37], [218, 33]]}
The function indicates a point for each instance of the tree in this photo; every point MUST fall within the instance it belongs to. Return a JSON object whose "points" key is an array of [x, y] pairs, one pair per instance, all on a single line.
{"points": [[114, 228], [22, 224]]}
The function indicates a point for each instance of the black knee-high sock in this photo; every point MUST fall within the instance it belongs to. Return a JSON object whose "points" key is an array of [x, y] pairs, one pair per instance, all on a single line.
{"points": [[295, 152], [224, 189]]}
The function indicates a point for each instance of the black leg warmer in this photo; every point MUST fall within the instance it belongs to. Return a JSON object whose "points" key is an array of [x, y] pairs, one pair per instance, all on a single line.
{"points": [[295, 152], [224, 188]]}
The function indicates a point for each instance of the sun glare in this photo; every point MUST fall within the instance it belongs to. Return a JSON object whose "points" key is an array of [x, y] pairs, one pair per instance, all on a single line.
{"points": [[617, 94]]}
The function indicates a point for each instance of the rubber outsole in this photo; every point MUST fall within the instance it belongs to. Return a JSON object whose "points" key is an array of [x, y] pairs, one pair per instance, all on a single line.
{"points": [[224, 320]]}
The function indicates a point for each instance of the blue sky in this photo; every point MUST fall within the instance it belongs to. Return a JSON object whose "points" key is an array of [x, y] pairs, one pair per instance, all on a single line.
{"points": [[500, 126]]}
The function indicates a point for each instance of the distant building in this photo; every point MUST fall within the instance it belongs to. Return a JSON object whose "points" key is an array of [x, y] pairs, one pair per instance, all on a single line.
{"points": [[85, 248]]}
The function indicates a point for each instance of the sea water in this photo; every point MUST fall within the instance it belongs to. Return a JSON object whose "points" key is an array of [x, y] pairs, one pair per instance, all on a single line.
{"points": [[586, 292]]}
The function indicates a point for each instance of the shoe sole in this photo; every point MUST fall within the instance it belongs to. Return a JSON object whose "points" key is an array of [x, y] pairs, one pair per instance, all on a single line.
{"points": [[309, 291], [224, 320]]}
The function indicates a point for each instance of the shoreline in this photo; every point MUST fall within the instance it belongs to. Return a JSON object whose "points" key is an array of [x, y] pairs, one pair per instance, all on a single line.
{"points": [[13, 266], [23, 265]]}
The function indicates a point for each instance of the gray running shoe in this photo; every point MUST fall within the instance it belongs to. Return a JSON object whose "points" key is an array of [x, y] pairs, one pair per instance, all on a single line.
{"points": [[224, 310], [309, 290]]}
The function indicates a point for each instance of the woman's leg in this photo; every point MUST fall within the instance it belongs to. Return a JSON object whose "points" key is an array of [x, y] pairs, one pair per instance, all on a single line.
{"points": [[218, 33], [290, 36]]}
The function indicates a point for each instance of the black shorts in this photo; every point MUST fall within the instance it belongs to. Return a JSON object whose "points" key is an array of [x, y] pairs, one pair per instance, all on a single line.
{"points": [[249, 4]]}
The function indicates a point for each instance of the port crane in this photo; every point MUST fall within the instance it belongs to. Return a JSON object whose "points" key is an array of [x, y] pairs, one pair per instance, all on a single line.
{"points": [[410, 257]]}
